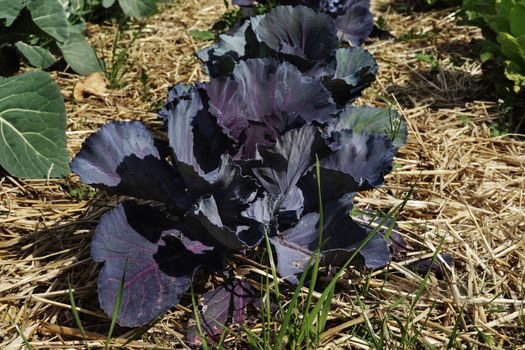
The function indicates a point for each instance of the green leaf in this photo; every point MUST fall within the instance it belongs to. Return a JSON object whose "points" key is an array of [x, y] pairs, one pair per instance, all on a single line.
{"points": [[108, 3], [49, 15], [80, 56], [513, 48], [36, 56], [32, 127], [9, 10], [517, 19], [137, 8], [202, 34], [516, 75]]}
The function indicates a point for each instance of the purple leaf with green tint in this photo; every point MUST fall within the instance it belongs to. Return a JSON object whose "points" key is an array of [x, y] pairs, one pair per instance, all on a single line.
{"points": [[355, 69], [159, 264], [220, 58], [370, 120]]}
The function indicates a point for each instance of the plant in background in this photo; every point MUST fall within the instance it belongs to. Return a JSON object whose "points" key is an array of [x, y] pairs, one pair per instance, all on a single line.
{"points": [[242, 167], [40, 31], [504, 30], [303, 37]]}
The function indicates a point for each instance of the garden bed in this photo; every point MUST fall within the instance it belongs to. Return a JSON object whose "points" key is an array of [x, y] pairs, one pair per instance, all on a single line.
{"points": [[467, 197]]}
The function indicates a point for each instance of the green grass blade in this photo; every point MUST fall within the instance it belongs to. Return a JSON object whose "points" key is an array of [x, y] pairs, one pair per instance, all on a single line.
{"points": [[75, 311], [118, 303], [204, 343], [305, 326], [21, 333]]}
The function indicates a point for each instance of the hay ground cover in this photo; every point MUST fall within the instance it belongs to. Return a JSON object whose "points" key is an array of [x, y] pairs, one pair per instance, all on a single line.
{"points": [[467, 198]]}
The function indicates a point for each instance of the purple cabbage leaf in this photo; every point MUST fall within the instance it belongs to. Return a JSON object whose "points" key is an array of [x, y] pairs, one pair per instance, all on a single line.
{"points": [[228, 302], [342, 236], [354, 22], [263, 99], [122, 158], [359, 162], [353, 19], [302, 35], [353, 70], [158, 263]]}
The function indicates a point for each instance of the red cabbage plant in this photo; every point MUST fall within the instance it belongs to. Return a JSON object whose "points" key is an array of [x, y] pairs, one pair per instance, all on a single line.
{"points": [[242, 162]]}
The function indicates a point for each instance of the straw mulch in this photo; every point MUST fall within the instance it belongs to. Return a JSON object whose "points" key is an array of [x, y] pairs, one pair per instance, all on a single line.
{"points": [[467, 199]]}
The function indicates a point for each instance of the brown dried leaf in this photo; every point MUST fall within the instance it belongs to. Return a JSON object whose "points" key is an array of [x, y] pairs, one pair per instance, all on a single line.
{"points": [[93, 84]]}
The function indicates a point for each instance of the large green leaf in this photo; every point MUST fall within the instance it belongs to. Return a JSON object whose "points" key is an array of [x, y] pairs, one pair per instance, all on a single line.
{"points": [[9, 10], [80, 55], [36, 56], [108, 3], [137, 8], [513, 48], [49, 15], [517, 19], [32, 127]]}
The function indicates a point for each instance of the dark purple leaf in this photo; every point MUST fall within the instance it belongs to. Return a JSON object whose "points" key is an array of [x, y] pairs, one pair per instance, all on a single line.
{"points": [[177, 93], [388, 228], [356, 24], [121, 157], [283, 163], [234, 234], [291, 208], [292, 247], [300, 33], [367, 158], [159, 264], [341, 236], [221, 306], [220, 58], [359, 163], [243, 2], [232, 191], [194, 136], [264, 99]]}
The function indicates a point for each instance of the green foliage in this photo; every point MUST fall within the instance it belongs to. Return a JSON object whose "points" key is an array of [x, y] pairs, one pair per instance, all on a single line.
{"points": [[92, 9], [423, 57], [503, 25], [118, 67], [32, 127], [202, 35], [40, 30]]}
